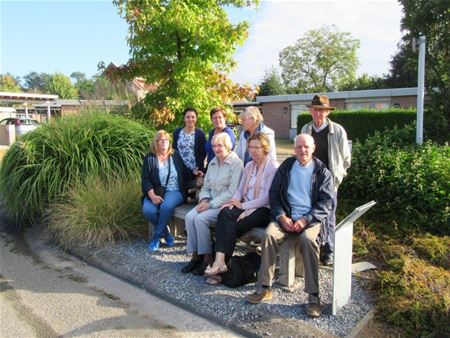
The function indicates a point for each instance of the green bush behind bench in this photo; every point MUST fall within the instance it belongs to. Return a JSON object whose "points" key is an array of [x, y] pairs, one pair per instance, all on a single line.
{"points": [[360, 124], [410, 183]]}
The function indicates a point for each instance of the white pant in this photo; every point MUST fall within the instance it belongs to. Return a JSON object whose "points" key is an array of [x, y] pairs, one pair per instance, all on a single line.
{"points": [[197, 226]]}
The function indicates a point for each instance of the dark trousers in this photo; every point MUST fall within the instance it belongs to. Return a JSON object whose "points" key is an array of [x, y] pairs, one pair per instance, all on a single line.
{"points": [[228, 228]]}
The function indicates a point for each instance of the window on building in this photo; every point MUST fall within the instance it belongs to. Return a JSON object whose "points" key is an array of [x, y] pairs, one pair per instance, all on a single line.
{"points": [[296, 109]]}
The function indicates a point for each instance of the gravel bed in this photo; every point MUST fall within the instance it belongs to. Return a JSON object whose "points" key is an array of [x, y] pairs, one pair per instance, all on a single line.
{"points": [[160, 272]]}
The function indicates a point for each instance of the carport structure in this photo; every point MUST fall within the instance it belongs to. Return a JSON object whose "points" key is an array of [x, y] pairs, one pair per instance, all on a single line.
{"points": [[36, 103]]}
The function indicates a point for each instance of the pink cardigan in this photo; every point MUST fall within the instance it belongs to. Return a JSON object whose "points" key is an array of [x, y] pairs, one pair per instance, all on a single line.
{"points": [[263, 198]]}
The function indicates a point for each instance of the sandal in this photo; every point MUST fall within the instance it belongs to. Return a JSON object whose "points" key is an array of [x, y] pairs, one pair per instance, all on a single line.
{"points": [[211, 271], [213, 280]]}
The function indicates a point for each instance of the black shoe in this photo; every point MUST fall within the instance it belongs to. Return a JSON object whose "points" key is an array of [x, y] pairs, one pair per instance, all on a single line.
{"points": [[327, 259], [192, 265], [200, 270]]}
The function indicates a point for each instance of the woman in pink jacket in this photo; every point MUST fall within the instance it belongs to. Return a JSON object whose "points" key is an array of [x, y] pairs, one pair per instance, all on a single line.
{"points": [[249, 206]]}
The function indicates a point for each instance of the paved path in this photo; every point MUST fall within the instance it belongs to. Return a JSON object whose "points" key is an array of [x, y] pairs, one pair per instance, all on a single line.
{"points": [[45, 293]]}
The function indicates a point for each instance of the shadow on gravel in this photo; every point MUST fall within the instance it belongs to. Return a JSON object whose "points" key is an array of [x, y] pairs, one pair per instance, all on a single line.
{"points": [[159, 273]]}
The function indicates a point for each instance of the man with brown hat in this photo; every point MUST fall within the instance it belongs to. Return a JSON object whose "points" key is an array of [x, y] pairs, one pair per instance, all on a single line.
{"points": [[333, 150]]}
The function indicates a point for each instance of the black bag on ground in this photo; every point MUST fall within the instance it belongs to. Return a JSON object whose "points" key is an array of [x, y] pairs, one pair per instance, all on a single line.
{"points": [[242, 270]]}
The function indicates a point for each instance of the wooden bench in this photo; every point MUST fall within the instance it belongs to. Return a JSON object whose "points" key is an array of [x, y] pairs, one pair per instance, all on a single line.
{"points": [[289, 267], [290, 259]]}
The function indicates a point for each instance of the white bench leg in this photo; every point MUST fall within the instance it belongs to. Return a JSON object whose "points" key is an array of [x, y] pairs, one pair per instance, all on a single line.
{"points": [[287, 263]]}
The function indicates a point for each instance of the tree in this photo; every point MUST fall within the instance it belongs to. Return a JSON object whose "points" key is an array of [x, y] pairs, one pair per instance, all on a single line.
{"points": [[366, 81], [322, 60], [60, 85], [9, 84], [432, 19], [403, 71], [35, 82], [271, 84], [185, 48], [78, 76]]}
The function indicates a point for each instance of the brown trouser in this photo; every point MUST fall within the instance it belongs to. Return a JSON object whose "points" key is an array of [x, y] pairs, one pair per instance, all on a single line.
{"points": [[275, 236]]}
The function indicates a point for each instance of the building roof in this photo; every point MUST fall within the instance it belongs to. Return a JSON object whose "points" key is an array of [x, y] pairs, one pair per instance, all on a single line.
{"points": [[369, 93], [29, 97], [108, 103]]}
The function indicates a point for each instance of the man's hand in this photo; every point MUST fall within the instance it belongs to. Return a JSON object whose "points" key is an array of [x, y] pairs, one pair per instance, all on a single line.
{"points": [[286, 223], [299, 224]]}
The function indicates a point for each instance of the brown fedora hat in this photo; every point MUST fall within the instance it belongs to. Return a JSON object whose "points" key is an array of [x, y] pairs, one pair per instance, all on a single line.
{"points": [[321, 102]]}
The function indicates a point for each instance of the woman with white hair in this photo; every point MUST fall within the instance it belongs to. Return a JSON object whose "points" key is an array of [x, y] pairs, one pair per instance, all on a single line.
{"points": [[252, 122], [221, 181]]}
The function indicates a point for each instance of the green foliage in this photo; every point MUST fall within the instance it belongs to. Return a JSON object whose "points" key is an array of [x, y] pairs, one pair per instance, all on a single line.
{"points": [[431, 19], [185, 48], [60, 85], [271, 84], [52, 158], [434, 249], [9, 84], [414, 296], [321, 61], [359, 124], [97, 212], [410, 183], [36, 82], [365, 81]]}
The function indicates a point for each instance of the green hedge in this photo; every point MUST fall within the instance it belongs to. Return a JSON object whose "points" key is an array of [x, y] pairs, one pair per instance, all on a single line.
{"points": [[363, 123], [50, 160], [410, 183]]}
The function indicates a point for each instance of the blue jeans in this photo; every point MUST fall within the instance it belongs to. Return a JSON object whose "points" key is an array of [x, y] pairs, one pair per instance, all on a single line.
{"points": [[159, 215]]}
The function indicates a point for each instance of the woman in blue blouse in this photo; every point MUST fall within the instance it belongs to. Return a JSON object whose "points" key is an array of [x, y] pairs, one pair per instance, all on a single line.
{"points": [[163, 182], [219, 119], [190, 144]]}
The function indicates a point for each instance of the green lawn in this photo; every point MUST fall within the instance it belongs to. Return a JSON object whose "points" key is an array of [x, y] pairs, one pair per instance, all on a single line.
{"points": [[285, 146]]}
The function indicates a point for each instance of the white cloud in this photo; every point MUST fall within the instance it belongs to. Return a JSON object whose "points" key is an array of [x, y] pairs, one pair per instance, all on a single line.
{"points": [[278, 24]]}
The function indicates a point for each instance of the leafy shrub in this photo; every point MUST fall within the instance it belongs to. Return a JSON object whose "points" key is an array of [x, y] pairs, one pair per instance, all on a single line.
{"points": [[410, 183], [97, 212], [434, 249], [56, 156], [363, 123], [415, 296]]}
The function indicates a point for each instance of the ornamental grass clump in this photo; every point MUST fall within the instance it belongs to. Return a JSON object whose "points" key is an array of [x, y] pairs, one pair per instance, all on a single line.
{"points": [[55, 157], [97, 212]]}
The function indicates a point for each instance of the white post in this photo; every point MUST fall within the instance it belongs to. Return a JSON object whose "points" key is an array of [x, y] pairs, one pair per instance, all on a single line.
{"points": [[26, 109], [420, 90], [48, 111]]}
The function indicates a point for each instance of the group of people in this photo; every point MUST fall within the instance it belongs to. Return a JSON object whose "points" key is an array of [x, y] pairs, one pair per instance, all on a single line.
{"points": [[244, 187]]}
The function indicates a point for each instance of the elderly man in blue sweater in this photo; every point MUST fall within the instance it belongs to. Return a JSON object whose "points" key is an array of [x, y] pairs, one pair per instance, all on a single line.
{"points": [[300, 202]]}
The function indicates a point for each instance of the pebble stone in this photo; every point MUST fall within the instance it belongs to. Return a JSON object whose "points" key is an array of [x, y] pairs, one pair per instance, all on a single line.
{"points": [[160, 271]]}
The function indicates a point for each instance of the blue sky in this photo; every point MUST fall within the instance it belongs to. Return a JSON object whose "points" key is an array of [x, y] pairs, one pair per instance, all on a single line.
{"points": [[68, 36]]}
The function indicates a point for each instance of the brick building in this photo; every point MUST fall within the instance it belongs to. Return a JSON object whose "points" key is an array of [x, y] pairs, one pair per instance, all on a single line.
{"points": [[280, 111]]}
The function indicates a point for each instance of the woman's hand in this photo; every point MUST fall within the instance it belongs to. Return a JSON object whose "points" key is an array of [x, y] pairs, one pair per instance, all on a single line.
{"points": [[198, 173], [156, 199], [202, 206]]}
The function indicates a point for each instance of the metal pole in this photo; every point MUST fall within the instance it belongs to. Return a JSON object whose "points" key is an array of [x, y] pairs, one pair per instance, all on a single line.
{"points": [[48, 111], [420, 90]]}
